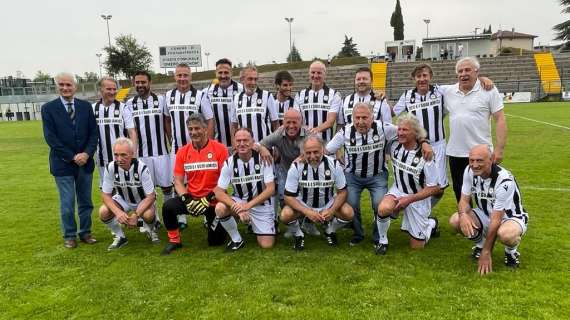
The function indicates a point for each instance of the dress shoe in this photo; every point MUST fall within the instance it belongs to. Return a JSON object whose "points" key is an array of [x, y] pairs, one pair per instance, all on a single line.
{"points": [[70, 244], [88, 239]]}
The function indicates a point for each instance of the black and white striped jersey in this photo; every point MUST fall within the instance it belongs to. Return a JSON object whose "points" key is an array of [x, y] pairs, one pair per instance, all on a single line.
{"points": [[315, 106], [180, 106], [248, 179], [132, 185], [380, 107], [364, 153], [411, 172], [315, 187], [220, 100], [113, 122], [428, 109], [282, 107], [255, 111], [148, 115], [499, 192]]}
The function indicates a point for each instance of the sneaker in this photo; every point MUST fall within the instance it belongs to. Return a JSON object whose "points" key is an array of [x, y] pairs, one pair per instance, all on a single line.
{"points": [[331, 239], [153, 236], [310, 228], [170, 246], [512, 259], [381, 248], [299, 243], [435, 231], [234, 246], [476, 252], [118, 243], [355, 241]]}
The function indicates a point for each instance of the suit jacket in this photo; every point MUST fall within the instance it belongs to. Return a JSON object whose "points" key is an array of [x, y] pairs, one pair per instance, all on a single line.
{"points": [[66, 139]]}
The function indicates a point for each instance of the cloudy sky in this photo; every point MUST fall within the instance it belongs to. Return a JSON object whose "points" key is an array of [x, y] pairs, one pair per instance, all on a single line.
{"points": [[62, 35]]}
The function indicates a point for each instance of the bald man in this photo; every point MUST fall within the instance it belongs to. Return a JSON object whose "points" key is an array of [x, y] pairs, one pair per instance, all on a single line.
{"points": [[499, 212]]}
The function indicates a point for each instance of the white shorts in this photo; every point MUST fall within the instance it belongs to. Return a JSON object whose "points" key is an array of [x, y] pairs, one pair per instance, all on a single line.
{"points": [[262, 219], [127, 206], [160, 170], [415, 220], [101, 175], [440, 163], [485, 221]]}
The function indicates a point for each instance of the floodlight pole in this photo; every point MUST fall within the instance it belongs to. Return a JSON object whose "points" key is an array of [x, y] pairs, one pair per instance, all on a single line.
{"points": [[107, 17], [290, 21], [427, 21], [99, 57]]}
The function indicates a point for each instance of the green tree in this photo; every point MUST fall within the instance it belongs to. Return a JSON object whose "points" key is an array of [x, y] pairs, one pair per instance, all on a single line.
{"points": [[397, 22], [563, 29], [41, 76], [487, 31], [348, 48], [294, 55], [90, 76], [127, 56]]}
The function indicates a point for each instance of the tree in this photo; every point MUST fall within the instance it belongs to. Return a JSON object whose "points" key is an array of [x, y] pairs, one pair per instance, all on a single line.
{"points": [[397, 22], [90, 76], [294, 55], [487, 31], [42, 77], [127, 56], [348, 48], [563, 29]]}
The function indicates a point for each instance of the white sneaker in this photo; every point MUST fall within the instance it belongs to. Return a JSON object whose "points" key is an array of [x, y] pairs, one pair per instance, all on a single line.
{"points": [[310, 228], [118, 242], [153, 236]]}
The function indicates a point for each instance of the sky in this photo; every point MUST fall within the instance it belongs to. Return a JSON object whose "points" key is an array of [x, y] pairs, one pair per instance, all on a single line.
{"points": [[60, 35]]}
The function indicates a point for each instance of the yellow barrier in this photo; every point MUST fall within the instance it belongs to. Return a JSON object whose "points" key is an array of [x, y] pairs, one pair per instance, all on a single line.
{"points": [[547, 72]]}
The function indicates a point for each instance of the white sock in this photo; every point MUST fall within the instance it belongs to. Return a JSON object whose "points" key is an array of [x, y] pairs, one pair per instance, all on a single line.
{"points": [[511, 250], [383, 224], [229, 223], [431, 223], [182, 219], [167, 196], [335, 224], [115, 227], [295, 228]]}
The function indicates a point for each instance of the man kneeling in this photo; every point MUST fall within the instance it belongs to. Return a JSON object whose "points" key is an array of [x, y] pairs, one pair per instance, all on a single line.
{"points": [[310, 192], [253, 186], [134, 194]]}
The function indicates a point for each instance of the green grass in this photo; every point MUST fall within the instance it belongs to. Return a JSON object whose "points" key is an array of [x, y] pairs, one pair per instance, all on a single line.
{"points": [[41, 279]]}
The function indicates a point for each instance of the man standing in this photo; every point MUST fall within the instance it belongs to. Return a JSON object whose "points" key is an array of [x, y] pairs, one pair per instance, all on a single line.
{"points": [[310, 192], [254, 108], [113, 120], [363, 93], [181, 102], [220, 98], [284, 100], [499, 212], [200, 163], [253, 186], [415, 181], [70, 131], [319, 104], [470, 108], [134, 194], [153, 129]]}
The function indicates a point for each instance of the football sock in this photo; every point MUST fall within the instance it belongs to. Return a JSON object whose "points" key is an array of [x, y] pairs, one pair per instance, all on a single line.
{"points": [[335, 224], [511, 250], [115, 227], [295, 228], [173, 236], [229, 223], [383, 224], [182, 219]]}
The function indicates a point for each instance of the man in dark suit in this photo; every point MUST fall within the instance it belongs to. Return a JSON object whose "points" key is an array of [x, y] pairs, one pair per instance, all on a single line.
{"points": [[70, 131]]}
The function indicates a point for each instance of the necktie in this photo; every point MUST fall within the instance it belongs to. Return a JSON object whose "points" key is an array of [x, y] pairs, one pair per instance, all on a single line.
{"points": [[70, 111]]}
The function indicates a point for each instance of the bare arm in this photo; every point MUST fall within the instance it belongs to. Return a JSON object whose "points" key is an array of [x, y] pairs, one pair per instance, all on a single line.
{"points": [[485, 261], [135, 139], [179, 185], [296, 205], [266, 194], [501, 135], [210, 123], [114, 208], [167, 128], [329, 123], [223, 197], [147, 202]]}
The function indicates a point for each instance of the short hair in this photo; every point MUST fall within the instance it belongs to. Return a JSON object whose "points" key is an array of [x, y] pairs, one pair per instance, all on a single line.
{"points": [[197, 117], [244, 129], [182, 65], [142, 73], [414, 123], [310, 137], [62, 75], [124, 141], [223, 61], [319, 62], [420, 68], [361, 105], [100, 82], [364, 69], [471, 60], [283, 76], [246, 69]]}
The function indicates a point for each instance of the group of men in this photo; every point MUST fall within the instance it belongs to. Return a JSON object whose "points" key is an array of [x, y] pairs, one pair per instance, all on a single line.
{"points": [[312, 153]]}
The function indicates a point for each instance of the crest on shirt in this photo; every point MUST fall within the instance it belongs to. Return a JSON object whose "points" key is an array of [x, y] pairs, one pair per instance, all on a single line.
{"points": [[136, 175], [155, 103], [117, 176], [257, 167], [215, 93], [327, 172], [376, 138], [304, 171], [416, 160], [258, 101], [371, 103], [116, 112], [210, 155], [432, 96], [326, 98], [491, 191], [97, 113], [236, 170], [353, 140], [193, 99]]}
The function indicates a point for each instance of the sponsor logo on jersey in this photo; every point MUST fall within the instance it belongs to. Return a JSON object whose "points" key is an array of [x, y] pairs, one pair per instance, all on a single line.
{"points": [[415, 171], [250, 110], [222, 100], [316, 184], [315, 106], [365, 148], [197, 166], [146, 112], [182, 107], [103, 121], [424, 104], [247, 179]]}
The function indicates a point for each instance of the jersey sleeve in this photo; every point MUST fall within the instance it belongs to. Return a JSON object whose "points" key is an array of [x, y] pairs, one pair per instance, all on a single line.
{"points": [[336, 142], [292, 182], [146, 179], [385, 111], [272, 108], [339, 178], [225, 176], [164, 100], [128, 116], [222, 154], [205, 103], [340, 115], [467, 182], [401, 105], [233, 108], [391, 132], [336, 103], [107, 186], [205, 106], [504, 193], [496, 101], [430, 172], [268, 173], [297, 102]]}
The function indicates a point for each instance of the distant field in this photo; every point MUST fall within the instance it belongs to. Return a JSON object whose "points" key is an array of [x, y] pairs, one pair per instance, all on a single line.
{"points": [[41, 279]]}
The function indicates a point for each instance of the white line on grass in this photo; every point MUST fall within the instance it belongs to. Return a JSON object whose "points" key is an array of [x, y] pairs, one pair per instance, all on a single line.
{"points": [[546, 189], [547, 123]]}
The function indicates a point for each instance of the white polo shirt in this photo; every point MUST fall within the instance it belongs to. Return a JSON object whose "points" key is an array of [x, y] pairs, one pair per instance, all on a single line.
{"points": [[469, 115]]}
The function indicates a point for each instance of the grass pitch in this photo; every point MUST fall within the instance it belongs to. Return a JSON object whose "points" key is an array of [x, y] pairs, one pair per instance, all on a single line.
{"points": [[41, 279]]}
